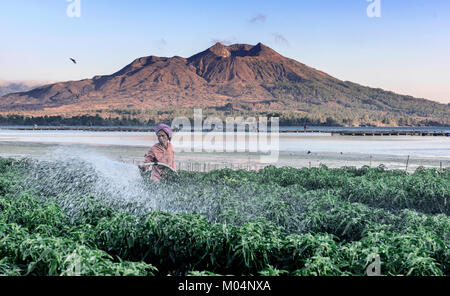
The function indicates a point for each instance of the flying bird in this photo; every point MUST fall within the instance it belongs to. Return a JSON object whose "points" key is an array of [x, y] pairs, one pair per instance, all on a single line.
{"points": [[73, 61]]}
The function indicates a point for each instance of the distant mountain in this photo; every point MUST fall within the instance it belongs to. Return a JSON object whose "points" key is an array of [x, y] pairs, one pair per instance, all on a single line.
{"points": [[238, 78], [7, 87]]}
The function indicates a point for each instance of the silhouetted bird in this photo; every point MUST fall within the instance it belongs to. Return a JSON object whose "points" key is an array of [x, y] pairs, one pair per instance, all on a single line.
{"points": [[309, 152], [73, 61]]}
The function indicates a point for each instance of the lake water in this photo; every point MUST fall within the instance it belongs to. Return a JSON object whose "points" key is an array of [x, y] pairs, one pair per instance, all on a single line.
{"points": [[429, 146]]}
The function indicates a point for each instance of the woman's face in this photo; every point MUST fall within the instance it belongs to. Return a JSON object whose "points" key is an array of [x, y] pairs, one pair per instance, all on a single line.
{"points": [[162, 138]]}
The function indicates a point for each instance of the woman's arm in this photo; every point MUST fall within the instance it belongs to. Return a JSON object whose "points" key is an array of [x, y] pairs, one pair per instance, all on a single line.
{"points": [[150, 156], [173, 161]]}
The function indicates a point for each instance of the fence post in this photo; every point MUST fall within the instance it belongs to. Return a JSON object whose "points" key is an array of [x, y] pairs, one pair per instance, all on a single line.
{"points": [[407, 161]]}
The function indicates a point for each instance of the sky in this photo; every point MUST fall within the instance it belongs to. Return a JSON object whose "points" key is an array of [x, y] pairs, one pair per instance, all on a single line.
{"points": [[397, 45]]}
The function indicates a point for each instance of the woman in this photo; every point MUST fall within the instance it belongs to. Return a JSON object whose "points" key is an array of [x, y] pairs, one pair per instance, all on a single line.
{"points": [[161, 152]]}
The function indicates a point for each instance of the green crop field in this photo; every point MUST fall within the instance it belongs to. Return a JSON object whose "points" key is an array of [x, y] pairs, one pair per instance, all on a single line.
{"points": [[54, 220]]}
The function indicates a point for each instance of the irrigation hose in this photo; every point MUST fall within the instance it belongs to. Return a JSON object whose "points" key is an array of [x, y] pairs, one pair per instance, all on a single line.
{"points": [[161, 164]]}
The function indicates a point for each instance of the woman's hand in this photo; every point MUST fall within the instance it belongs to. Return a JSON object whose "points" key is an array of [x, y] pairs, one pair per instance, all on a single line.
{"points": [[143, 167]]}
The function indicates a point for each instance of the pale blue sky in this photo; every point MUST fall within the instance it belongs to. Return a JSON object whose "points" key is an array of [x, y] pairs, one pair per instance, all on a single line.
{"points": [[406, 50]]}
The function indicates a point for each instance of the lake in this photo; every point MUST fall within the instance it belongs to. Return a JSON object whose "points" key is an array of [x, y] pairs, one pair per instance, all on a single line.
{"points": [[292, 142], [293, 149]]}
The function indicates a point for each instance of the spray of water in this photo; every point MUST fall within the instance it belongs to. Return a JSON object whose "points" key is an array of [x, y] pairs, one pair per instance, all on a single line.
{"points": [[71, 175], [75, 177]]}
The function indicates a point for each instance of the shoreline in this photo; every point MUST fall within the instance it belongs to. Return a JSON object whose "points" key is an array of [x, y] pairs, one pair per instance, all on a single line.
{"points": [[205, 161], [441, 130]]}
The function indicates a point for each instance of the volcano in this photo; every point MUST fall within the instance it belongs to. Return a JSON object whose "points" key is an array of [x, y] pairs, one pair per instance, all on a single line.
{"points": [[239, 76]]}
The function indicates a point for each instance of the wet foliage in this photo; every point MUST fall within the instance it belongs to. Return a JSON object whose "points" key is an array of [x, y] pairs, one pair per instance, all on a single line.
{"points": [[77, 216]]}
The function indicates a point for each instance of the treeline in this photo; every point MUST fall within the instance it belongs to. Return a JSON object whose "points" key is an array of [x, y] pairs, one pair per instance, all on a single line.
{"points": [[89, 120], [83, 120], [285, 119]]}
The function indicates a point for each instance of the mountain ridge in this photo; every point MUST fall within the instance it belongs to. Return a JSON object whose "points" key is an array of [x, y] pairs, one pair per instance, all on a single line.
{"points": [[252, 78]]}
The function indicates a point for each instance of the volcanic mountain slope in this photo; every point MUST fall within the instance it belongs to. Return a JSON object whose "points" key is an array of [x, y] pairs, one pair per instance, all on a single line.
{"points": [[255, 77], [210, 78]]}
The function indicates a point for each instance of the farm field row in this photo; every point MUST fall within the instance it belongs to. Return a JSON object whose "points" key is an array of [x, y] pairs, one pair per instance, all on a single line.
{"points": [[70, 218]]}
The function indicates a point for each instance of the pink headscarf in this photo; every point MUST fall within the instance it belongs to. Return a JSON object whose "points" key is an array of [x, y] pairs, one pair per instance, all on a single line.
{"points": [[165, 128]]}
